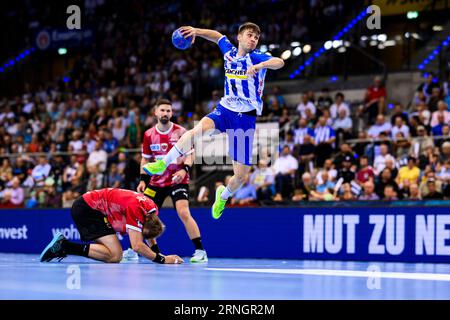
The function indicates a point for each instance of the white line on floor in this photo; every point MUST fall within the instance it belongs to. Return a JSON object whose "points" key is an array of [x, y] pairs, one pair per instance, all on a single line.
{"points": [[346, 273]]}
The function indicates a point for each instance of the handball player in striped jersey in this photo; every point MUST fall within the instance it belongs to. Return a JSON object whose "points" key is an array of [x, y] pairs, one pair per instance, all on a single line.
{"points": [[245, 69]]}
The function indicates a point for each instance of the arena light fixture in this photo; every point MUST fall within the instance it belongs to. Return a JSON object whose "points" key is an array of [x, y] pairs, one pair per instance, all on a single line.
{"points": [[412, 14], [62, 51], [438, 28], [434, 54], [12, 61], [295, 44], [329, 44], [297, 51], [342, 49], [382, 37], [286, 54], [390, 43], [263, 48], [364, 38], [306, 48], [373, 43], [337, 43]]}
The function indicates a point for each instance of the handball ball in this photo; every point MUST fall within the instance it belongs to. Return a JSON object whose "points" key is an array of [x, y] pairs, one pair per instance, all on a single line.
{"points": [[179, 41]]}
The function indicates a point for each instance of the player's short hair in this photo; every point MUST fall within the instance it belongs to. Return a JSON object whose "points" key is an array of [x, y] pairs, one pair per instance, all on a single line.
{"points": [[162, 101], [153, 227], [250, 25]]}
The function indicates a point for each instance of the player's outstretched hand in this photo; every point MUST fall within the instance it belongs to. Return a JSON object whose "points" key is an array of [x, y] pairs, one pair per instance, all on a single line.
{"points": [[141, 187], [188, 31], [173, 259]]}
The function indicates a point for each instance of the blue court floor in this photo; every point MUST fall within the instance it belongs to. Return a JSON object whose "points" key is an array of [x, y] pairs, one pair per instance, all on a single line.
{"points": [[23, 277]]}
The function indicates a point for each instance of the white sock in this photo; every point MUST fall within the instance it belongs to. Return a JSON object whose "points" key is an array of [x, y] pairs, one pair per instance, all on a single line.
{"points": [[226, 193], [173, 154]]}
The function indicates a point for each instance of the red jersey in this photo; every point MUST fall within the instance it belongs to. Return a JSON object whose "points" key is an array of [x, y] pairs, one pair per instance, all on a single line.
{"points": [[365, 174], [375, 93], [156, 145], [124, 209]]}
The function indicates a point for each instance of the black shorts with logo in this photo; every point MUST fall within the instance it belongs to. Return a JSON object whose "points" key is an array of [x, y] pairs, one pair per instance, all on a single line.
{"points": [[92, 224], [159, 194]]}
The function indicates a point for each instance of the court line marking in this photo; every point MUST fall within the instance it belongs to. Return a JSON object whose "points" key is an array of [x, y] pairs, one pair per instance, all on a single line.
{"points": [[346, 273]]}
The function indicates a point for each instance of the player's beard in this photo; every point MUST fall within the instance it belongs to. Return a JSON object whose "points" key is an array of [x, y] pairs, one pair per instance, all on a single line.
{"points": [[164, 120]]}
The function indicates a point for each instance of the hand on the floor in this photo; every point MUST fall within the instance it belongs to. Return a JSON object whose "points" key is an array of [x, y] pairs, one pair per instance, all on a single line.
{"points": [[141, 187], [173, 259]]}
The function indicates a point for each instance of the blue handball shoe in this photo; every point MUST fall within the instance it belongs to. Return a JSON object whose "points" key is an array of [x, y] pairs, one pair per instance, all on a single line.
{"points": [[54, 249]]}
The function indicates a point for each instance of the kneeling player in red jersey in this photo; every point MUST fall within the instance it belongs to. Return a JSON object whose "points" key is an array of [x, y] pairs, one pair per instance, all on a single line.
{"points": [[98, 215]]}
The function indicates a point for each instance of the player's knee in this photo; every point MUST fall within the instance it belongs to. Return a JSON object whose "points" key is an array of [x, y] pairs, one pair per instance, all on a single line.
{"points": [[184, 215], [115, 257]]}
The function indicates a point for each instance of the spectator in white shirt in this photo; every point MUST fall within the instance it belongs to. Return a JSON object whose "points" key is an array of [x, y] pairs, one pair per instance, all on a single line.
{"points": [[343, 122], [328, 167], [381, 125], [400, 126], [263, 178], [442, 109], [89, 143], [97, 160], [380, 161], [339, 105], [76, 144], [41, 171], [285, 167], [305, 104]]}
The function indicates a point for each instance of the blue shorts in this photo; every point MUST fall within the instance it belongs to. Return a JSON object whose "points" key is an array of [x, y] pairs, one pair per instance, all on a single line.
{"points": [[240, 129]]}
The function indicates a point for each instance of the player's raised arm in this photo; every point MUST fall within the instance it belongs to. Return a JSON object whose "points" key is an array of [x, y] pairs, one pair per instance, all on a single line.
{"points": [[211, 35], [273, 64]]}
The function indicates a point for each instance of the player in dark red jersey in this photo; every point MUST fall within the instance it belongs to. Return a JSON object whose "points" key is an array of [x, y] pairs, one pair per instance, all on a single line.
{"points": [[174, 182], [98, 215]]}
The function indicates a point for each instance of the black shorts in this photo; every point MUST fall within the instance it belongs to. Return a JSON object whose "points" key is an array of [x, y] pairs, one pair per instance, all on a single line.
{"points": [[92, 224], [159, 194]]}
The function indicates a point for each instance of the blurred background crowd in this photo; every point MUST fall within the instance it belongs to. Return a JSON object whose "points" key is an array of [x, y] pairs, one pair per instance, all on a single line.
{"points": [[83, 131]]}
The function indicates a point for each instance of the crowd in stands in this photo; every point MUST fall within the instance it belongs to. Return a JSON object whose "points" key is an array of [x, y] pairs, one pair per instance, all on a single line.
{"points": [[84, 128], [397, 153], [83, 142]]}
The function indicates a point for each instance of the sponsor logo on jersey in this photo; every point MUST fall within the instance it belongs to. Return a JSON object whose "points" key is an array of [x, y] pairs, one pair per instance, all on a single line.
{"points": [[155, 147], [149, 192], [164, 147]]}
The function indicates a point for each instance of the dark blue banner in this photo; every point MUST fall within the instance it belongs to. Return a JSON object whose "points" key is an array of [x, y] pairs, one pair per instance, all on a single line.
{"points": [[54, 38], [414, 234]]}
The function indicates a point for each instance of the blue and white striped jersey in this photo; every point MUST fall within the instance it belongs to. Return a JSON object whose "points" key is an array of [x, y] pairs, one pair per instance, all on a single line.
{"points": [[242, 93], [322, 134]]}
